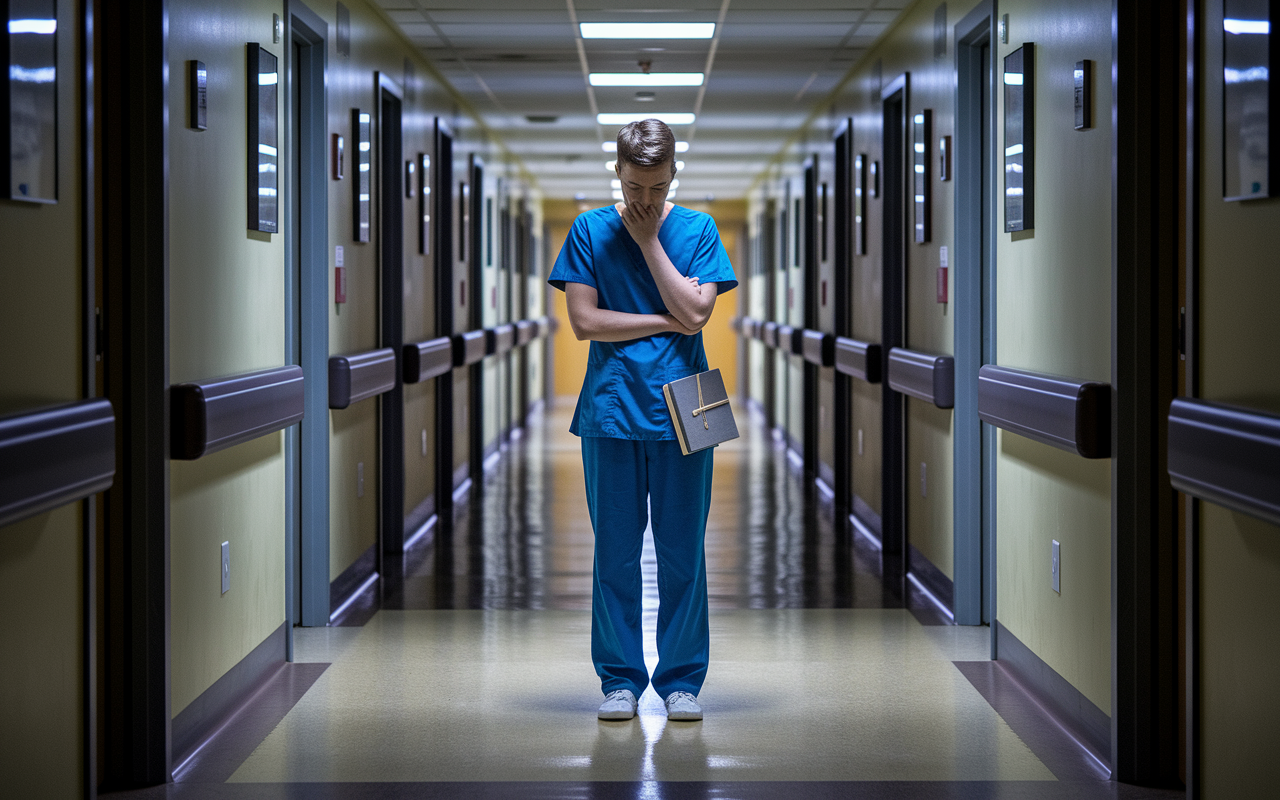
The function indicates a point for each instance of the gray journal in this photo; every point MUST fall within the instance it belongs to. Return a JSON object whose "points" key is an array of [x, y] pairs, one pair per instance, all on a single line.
{"points": [[700, 411]]}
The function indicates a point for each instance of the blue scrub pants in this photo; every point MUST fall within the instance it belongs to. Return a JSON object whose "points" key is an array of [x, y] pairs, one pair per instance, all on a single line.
{"points": [[621, 475]]}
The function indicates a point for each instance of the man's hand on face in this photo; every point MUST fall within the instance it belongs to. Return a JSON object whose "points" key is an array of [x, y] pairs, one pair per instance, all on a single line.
{"points": [[642, 222]]}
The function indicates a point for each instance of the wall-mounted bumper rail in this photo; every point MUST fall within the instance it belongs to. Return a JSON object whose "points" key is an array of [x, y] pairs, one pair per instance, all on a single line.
{"points": [[361, 376], [526, 330], [818, 347], [750, 328], [504, 338], [423, 361], [56, 455], [787, 339], [923, 376], [208, 416], [770, 334], [859, 359], [469, 347], [1227, 455], [1068, 414]]}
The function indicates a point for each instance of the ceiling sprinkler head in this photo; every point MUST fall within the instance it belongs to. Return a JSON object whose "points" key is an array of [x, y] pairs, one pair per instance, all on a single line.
{"points": [[645, 66]]}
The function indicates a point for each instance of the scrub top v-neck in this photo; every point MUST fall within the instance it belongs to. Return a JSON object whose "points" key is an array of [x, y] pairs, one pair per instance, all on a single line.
{"points": [[622, 393]]}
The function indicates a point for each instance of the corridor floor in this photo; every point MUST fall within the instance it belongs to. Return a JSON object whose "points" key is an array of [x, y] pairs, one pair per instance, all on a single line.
{"points": [[471, 676]]}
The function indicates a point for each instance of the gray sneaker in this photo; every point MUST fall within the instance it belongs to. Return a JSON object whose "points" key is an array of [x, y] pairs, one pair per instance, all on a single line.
{"points": [[618, 704], [682, 705]]}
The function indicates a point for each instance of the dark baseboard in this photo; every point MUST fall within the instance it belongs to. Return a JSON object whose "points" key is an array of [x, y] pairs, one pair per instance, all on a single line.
{"points": [[418, 525], [353, 577], [826, 474], [217, 704], [932, 578], [1087, 723], [864, 517]]}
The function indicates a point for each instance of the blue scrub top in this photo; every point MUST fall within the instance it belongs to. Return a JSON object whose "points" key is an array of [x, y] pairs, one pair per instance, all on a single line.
{"points": [[622, 394]]}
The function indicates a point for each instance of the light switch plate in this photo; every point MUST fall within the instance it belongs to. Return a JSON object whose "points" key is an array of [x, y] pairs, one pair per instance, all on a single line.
{"points": [[226, 566], [859, 441], [424, 442], [1057, 569]]}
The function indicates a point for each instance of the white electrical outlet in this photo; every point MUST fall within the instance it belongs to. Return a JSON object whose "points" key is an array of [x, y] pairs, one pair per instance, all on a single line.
{"points": [[424, 442], [859, 441], [924, 479], [360, 479], [1057, 569], [226, 566]]}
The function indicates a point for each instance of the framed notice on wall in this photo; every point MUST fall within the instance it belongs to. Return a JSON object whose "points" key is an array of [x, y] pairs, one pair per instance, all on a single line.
{"points": [[29, 101], [1249, 130], [361, 130], [1019, 139], [263, 82]]}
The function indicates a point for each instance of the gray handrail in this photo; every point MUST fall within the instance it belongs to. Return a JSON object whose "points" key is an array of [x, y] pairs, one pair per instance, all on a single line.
{"points": [[924, 376], [770, 337], [786, 338], [361, 376], [504, 338], [469, 347], [55, 455], [208, 416], [526, 331], [859, 359], [1228, 455], [426, 360], [1069, 414], [818, 347]]}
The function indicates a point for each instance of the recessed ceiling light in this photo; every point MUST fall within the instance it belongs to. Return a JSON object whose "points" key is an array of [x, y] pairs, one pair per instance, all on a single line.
{"points": [[679, 166], [609, 165], [635, 116], [682, 147], [641, 79], [617, 194], [647, 30], [645, 97]]}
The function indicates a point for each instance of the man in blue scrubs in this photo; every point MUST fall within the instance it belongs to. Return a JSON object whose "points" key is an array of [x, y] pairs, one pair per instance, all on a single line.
{"points": [[641, 278]]}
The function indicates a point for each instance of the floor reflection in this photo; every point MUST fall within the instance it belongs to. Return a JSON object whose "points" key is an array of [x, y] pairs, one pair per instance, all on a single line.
{"points": [[524, 541]]}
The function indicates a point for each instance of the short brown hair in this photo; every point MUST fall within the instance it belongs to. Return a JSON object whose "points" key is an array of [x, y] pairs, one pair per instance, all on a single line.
{"points": [[646, 143]]}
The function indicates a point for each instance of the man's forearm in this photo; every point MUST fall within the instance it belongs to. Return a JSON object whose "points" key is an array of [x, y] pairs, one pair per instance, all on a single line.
{"points": [[683, 299], [603, 325]]}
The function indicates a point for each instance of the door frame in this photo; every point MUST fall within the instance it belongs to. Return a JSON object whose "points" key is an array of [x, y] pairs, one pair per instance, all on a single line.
{"points": [[390, 108], [974, 443], [307, 327], [896, 113], [842, 402], [442, 247]]}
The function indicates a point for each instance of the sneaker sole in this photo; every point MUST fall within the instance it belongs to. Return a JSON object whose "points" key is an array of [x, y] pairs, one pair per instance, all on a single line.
{"points": [[685, 716], [616, 715]]}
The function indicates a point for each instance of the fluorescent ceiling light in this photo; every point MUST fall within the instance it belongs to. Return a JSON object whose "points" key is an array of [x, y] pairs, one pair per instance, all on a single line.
{"points": [[615, 183], [617, 194], [609, 165], [623, 119], [647, 30], [612, 147], [641, 79]]}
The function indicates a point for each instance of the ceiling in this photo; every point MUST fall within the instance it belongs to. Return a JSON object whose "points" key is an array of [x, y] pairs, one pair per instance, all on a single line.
{"points": [[769, 65]]}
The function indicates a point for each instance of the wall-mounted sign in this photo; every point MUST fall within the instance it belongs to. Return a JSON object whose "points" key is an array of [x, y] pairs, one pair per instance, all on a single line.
{"points": [[922, 193], [1019, 139], [263, 81], [198, 95], [1249, 132], [361, 129], [29, 102]]}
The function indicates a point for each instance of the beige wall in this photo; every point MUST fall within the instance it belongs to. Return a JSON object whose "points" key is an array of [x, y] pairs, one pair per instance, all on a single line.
{"points": [[1239, 556], [226, 316], [41, 558], [1053, 314]]}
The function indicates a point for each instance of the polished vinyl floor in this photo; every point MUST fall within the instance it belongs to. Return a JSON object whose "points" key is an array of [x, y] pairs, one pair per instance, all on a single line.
{"points": [[470, 675]]}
